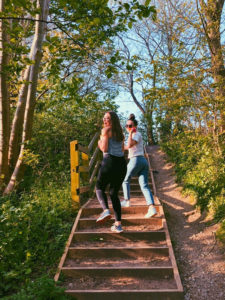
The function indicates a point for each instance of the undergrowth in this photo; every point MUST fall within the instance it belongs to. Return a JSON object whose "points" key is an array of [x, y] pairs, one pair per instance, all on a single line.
{"points": [[200, 168]]}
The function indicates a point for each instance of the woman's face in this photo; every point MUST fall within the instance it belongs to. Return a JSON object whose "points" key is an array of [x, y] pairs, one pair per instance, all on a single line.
{"points": [[129, 125], [107, 120]]}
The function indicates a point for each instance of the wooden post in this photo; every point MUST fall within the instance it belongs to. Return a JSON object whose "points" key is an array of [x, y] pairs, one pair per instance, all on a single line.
{"points": [[85, 162], [75, 175]]}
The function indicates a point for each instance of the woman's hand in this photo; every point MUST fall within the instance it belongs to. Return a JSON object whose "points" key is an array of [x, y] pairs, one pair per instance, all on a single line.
{"points": [[103, 142], [130, 141]]}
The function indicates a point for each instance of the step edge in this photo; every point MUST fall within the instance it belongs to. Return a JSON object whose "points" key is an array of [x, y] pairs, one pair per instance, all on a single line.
{"points": [[118, 248], [120, 268], [127, 291]]}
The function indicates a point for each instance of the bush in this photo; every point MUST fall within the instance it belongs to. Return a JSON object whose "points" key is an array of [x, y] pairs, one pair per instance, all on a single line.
{"points": [[200, 169], [35, 221], [221, 233], [33, 229], [43, 288]]}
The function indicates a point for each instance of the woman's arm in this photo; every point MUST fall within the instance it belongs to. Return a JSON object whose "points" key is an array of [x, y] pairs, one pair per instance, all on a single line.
{"points": [[104, 139], [130, 141]]}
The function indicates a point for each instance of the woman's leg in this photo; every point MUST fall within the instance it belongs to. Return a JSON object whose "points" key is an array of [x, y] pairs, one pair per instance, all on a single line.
{"points": [[132, 170], [115, 184], [102, 181], [143, 181]]}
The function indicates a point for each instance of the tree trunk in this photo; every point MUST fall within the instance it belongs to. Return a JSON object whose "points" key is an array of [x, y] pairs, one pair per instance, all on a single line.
{"points": [[17, 124], [36, 52], [4, 102], [211, 21]]}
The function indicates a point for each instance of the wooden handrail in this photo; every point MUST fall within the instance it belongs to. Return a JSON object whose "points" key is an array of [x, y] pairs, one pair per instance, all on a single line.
{"points": [[151, 172], [92, 142]]}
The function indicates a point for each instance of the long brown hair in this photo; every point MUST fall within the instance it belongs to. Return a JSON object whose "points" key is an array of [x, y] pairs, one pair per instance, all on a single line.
{"points": [[117, 132]]}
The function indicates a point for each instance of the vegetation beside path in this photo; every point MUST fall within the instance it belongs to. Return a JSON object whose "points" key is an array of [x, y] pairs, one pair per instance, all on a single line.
{"points": [[200, 168]]}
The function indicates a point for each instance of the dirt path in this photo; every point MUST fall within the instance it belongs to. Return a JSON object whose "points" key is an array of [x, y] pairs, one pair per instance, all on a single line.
{"points": [[201, 263]]}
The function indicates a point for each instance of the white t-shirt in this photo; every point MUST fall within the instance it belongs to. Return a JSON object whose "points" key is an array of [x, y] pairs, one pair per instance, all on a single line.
{"points": [[137, 149]]}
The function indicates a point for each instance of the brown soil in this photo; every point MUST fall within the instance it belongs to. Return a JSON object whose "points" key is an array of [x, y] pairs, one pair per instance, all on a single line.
{"points": [[114, 244], [200, 261], [120, 283], [155, 261]]}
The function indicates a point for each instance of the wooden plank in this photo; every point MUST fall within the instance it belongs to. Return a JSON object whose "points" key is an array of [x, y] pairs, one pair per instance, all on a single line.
{"points": [[94, 172], [126, 236], [161, 294], [89, 211], [82, 169], [151, 172], [84, 189], [99, 271], [94, 139], [93, 158], [122, 252], [87, 223], [172, 257], [63, 258], [75, 176], [83, 149]]}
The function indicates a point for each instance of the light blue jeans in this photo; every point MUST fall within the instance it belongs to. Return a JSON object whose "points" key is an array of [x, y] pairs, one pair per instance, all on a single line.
{"points": [[138, 166]]}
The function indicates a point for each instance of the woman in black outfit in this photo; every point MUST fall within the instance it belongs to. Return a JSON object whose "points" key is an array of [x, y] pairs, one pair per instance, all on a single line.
{"points": [[113, 168]]}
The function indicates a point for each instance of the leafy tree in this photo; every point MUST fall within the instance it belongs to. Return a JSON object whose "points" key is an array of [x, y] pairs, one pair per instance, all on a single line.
{"points": [[65, 34]]}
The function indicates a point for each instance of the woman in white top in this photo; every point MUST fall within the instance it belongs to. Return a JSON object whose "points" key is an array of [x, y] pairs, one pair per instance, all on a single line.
{"points": [[137, 166]]}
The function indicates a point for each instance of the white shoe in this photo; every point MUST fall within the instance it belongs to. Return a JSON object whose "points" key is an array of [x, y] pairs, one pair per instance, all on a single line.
{"points": [[151, 212], [125, 203]]}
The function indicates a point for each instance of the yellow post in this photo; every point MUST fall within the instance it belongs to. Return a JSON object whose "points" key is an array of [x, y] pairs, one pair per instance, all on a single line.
{"points": [[85, 162], [75, 175]]}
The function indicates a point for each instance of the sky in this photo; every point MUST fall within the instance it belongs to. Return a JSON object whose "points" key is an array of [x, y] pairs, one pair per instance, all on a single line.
{"points": [[126, 105]]}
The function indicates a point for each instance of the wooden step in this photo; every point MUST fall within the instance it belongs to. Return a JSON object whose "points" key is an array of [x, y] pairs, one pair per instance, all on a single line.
{"points": [[85, 223], [134, 201], [136, 264], [134, 236], [132, 210], [140, 294], [158, 272], [122, 252], [129, 258]]}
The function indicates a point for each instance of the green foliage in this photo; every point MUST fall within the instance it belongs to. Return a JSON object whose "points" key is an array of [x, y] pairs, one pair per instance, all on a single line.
{"points": [[36, 220], [33, 227], [200, 168], [44, 288], [221, 233]]}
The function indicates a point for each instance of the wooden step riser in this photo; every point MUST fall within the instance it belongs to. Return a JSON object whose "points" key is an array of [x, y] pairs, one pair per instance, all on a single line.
{"points": [[91, 223], [118, 252], [126, 295], [134, 201], [126, 236], [125, 210], [150, 273]]}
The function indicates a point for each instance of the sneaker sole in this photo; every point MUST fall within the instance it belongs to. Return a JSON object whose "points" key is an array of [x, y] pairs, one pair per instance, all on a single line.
{"points": [[150, 216], [104, 219], [116, 231]]}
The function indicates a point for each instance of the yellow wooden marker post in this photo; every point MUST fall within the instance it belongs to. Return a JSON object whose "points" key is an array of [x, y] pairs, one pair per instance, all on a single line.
{"points": [[75, 175]]}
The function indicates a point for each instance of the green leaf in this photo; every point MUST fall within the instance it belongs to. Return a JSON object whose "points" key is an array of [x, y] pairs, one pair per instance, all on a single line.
{"points": [[130, 24]]}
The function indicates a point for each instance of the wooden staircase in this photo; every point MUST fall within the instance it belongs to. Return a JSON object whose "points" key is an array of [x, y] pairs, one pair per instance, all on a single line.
{"points": [[136, 264]]}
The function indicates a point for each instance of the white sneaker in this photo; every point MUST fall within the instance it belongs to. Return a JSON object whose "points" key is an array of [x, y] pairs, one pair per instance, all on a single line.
{"points": [[125, 203], [151, 212]]}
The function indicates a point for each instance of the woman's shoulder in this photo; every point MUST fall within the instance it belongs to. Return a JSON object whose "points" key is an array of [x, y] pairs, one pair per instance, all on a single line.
{"points": [[106, 130]]}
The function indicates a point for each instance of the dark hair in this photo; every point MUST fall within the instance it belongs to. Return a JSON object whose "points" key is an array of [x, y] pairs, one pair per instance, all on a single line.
{"points": [[117, 131], [132, 118]]}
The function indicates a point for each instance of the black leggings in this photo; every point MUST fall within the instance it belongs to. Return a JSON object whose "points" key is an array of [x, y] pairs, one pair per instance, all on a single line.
{"points": [[112, 171]]}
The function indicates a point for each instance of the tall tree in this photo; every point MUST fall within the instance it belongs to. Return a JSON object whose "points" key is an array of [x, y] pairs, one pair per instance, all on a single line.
{"points": [[210, 13], [4, 99]]}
